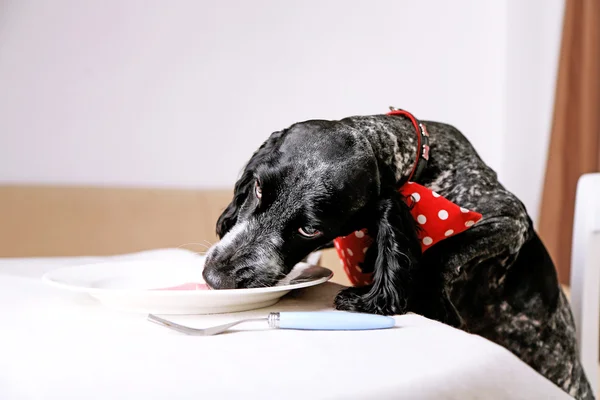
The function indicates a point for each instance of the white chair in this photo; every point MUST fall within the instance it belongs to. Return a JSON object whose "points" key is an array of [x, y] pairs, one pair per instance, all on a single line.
{"points": [[585, 273]]}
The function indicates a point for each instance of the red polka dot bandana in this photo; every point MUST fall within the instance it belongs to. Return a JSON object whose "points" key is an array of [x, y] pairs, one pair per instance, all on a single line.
{"points": [[437, 218]]}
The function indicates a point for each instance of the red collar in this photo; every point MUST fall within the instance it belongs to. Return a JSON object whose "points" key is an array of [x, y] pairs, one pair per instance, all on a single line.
{"points": [[422, 145]]}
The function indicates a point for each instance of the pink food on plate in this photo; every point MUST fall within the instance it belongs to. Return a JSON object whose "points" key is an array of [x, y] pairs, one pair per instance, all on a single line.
{"points": [[188, 286]]}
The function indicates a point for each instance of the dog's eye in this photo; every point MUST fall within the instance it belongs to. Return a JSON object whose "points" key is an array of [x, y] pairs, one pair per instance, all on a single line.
{"points": [[257, 190], [309, 231]]}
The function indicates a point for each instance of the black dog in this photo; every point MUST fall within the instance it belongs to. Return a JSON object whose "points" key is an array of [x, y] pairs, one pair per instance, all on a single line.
{"points": [[318, 180]]}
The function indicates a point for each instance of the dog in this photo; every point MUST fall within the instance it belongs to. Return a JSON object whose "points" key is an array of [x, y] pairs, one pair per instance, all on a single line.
{"points": [[318, 180]]}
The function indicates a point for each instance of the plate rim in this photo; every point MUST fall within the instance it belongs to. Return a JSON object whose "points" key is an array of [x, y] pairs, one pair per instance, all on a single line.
{"points": [[47, 279]]}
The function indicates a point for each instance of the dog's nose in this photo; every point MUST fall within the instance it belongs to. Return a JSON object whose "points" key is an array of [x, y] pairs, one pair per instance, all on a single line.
{"points": [[218, 280]]}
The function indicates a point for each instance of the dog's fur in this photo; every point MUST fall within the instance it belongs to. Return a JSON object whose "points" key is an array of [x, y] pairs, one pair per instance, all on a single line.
{"points": [[496, 279]]}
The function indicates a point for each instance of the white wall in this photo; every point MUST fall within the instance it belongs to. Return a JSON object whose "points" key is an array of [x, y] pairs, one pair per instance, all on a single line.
{"points": [[534, 33], [180, 93]]}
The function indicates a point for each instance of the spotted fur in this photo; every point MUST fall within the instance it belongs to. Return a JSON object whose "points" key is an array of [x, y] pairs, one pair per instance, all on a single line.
{"points": [[495, 279]]}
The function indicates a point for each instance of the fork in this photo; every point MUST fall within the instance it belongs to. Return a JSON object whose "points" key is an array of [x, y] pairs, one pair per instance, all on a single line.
{"points": [[307, 320]]}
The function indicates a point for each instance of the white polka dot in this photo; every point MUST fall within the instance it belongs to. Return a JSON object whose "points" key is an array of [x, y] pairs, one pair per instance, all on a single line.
{"points": [[359, 234], [421, 219], [350, 252], [342, 253], [336, 244], [409, 183], [469, 223], [427, 240], [448, 232], [435, 194], [416, 197], [365, 250], [356, 267], [343, 265], [464, 210], [443, 214]]}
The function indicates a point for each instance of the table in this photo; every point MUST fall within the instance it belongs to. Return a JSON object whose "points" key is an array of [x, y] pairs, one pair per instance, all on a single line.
{"points": [[56, 344]]}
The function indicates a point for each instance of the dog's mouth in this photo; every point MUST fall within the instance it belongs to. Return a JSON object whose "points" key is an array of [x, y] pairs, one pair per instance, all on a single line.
{"points": [[246, 278], [243, 278]]}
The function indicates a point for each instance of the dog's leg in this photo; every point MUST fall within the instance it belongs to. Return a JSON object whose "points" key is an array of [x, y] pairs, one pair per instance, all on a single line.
{"points": [[432, 301], [502, 258], [493, 238], [504, 229]]}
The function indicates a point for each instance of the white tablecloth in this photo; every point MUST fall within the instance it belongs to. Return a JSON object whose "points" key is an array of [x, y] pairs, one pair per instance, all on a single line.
{"points": [[60, 345]]}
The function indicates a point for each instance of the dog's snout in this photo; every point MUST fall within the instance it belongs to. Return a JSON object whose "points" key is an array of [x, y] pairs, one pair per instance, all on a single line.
{"points": [[245, 257], [218, 279]]}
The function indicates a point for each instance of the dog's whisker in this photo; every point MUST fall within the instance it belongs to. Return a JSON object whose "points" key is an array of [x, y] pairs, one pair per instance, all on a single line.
{"points": [[195, 244], [263, 283]]}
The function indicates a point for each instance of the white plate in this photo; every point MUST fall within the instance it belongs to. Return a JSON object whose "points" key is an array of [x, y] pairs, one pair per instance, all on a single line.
{"points": [[128, 286]]}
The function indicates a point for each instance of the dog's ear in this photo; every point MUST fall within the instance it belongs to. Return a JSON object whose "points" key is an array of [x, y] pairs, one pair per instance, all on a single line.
{"points": [[398, 254], [395, 256], [403, 280], [245, 183]]}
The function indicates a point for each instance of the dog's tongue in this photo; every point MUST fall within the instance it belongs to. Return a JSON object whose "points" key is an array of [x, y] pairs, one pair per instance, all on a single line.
{"points": [[188, 286]]}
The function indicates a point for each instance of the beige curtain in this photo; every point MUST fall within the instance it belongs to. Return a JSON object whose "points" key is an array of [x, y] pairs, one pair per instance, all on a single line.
{"points": [[575, 140]]}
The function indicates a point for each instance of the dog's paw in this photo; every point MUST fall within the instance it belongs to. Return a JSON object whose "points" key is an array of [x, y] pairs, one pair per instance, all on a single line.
{"points": [[352, 299], [360, 299]]}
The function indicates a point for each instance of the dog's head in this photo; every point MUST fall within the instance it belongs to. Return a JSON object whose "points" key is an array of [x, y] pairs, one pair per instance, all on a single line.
{"points": [[305, 186]]}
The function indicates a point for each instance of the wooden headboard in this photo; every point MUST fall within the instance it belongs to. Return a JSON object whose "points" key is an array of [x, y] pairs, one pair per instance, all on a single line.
{"points": [[74, 221], [43, 221]]}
